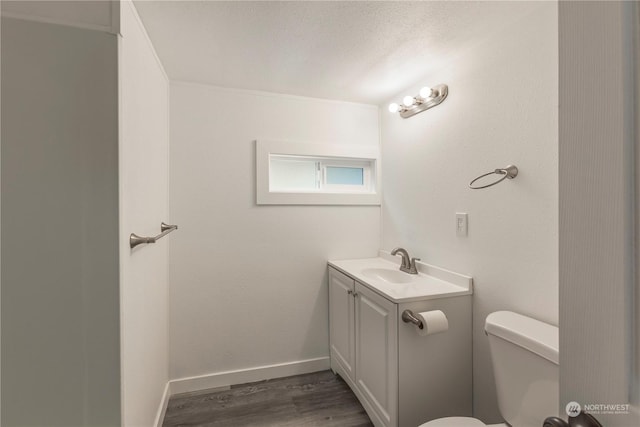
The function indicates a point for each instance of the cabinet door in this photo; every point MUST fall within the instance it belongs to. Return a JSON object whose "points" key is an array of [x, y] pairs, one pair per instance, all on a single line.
{"points": [[341, 319], [377, 353]]}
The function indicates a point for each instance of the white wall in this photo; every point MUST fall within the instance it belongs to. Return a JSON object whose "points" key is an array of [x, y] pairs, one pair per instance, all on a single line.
{"points": [[597, 143], [248, 282], [501, 109], [144, 145], [60, 296]]}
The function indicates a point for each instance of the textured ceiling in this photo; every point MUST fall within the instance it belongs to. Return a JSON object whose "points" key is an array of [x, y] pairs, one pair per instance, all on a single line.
{"points": [[362, 51]]}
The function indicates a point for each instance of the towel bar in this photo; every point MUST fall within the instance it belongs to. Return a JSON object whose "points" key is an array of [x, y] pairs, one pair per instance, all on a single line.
{"points": [[135, 240]]}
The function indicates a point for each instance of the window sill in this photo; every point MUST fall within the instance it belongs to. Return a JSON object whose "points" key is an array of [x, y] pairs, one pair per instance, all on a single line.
{"points": [[371, 199]]}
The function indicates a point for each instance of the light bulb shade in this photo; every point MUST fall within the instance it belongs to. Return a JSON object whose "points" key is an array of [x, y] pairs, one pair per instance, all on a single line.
{"points": [[426, 92], [394, 108], [408, 101]]}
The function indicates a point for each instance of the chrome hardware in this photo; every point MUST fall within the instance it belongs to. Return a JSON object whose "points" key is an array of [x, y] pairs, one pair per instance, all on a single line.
{"points": [[510, 172], [409, 317], [135, 240], [405, 257], [408, 264], [412, 266]]}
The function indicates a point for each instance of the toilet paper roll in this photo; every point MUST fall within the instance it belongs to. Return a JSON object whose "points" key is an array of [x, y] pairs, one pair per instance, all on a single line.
{"points": [[433, 322]]}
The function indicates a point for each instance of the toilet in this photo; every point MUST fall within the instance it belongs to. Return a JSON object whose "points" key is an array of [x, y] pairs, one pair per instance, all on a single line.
{"points": [[524, 353]]}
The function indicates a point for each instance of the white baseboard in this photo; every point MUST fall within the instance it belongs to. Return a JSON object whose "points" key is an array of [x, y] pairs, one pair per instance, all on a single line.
{"points": [[241, 376], [162, 409]]}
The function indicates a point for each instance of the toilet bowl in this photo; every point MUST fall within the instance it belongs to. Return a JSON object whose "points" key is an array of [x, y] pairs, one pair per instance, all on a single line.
{"points": [[524, 354], [460, 422]]}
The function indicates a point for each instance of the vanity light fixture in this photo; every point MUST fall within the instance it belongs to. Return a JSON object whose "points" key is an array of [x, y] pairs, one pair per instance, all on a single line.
{"points": [[427, 97]]}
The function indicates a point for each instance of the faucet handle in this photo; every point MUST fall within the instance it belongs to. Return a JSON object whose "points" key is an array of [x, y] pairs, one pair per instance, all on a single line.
{"points": [[412, 267]]}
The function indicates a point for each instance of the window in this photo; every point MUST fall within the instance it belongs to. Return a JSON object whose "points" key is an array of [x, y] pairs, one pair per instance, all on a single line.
{"points": [[344, 175], [351, 176], [290, 173]]}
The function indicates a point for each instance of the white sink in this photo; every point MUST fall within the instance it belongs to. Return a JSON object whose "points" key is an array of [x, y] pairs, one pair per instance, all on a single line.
{"points": [[383, 275], [387, 275]]}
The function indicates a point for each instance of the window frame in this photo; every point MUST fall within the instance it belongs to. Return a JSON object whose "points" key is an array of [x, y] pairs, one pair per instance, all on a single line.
{"points": [[367, 157]]}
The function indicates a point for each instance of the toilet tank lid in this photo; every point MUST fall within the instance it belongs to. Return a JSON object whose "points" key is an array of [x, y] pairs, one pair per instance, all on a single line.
{"points": [[531, 334]]}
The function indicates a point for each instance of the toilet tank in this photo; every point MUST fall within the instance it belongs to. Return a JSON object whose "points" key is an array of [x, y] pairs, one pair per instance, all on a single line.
{"points": [[524, 352]]}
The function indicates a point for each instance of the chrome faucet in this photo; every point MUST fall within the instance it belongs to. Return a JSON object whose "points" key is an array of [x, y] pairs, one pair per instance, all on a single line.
{"points": [[408, 264]]}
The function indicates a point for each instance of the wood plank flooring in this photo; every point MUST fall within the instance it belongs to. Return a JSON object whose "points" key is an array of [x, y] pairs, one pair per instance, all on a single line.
{"points": [[317, 399]]}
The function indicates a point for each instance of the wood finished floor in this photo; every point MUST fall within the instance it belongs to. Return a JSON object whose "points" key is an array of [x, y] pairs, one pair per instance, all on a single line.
{"points": [[317, 399]]}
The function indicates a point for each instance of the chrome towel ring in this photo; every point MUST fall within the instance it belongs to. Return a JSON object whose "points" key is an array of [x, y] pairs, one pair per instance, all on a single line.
{"points": [[509, 172]]}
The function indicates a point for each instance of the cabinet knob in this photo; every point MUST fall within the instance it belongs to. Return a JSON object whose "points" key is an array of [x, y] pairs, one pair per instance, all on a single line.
{"points": [[349, 292], [355, 294]]}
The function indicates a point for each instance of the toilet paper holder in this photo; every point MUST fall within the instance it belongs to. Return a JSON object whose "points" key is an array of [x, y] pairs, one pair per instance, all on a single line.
{"points": [[409, 317]]}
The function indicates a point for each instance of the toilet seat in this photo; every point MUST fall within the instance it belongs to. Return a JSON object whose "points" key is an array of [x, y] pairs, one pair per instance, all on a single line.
{"points": [[459, 422]]}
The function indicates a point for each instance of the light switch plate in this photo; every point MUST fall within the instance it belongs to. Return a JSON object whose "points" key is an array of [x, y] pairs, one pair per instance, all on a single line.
{"points": [[462, 224]]}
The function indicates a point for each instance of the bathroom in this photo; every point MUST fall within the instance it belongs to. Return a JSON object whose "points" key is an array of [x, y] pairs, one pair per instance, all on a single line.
{"points": [[119, 116]]}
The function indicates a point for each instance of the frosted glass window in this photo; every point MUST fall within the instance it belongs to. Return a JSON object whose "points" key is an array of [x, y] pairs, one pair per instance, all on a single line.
{"points": [[293, 174], [316, 174], [337, 175]]}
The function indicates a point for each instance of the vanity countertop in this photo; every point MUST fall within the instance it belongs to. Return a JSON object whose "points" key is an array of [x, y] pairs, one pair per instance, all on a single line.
{"points": [[383, 276]]}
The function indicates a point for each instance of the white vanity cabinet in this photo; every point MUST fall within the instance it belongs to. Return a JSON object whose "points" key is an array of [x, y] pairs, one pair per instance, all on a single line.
{"points": [[401, 378], [342, 323], [363, 345], [377, 353]]}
